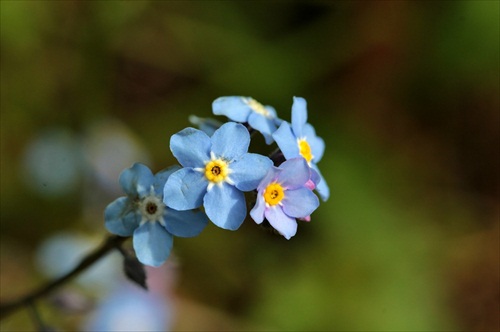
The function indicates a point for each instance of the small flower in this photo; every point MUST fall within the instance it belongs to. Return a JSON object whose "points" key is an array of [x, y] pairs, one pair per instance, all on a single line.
{"points": [[208, 125], [248, 110], [283, 196], [143, 214], [300, 140], [216, 171], [128, 308]]}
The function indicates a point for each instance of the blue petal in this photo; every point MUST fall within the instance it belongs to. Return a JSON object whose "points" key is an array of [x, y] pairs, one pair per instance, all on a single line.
{"points": [[234, 107], [185, 189], [185, 223], [161, 178], [264, 125], [299, 115], [284, 224], [257, 212], [286, 140], [321, 187], [272, 112], [278, 122], [271, 176], [152, 243], [207, 125], [225, 206], [294, 173], [249, 170], [315, 142], [191, 147], [315, 176], [137, 180], [300, 203], [120, 217], [230, 141]]}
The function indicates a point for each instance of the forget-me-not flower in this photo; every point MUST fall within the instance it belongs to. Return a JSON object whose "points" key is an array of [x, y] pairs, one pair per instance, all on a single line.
{"points": [[143, 214], [248, 110], [283, 196], [216, 171], [300, 140], [208, 125]]}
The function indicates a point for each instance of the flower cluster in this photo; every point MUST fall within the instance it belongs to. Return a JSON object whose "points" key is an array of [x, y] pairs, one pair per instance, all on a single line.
{"points": [[215, 172]]}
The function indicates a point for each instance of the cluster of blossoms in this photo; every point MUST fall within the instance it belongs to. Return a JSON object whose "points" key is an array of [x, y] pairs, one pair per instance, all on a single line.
{"points": [[216, 170]]}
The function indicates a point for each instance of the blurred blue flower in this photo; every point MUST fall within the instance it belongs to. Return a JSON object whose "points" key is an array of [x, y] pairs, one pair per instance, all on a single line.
{"points": [[52, 163], [129, 308], [143, 214], [300, 140], [109, 146], [216, 171], [59, 253], [283, 196], [246, 109]]}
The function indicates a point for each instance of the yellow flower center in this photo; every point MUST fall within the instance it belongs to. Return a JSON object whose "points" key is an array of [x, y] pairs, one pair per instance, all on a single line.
{"points": [[257, 107], [305, 150], [274, 193], [216, 170]]}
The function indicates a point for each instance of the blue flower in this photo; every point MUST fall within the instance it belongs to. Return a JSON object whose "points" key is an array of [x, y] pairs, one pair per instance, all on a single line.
{"points": [[248, 110], [208, 125], [283, 196], [300, 140], [129, 308], [143, 214], [216, 171]]}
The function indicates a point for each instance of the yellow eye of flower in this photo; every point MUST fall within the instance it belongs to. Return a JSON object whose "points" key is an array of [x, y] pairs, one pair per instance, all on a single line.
{"points": [[274, 193], [257, 107], [305, 150], [216, 170]]}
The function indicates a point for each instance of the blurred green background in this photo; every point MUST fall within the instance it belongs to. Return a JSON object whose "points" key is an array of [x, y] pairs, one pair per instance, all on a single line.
{"points": [[405, 94]]}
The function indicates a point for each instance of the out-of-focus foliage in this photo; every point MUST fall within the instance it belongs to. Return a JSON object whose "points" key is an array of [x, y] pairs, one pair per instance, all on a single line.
{"points": [[405, 94]]}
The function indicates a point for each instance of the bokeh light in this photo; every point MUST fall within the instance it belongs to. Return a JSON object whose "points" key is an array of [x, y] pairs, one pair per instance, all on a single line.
{"points": [[52, 163]]}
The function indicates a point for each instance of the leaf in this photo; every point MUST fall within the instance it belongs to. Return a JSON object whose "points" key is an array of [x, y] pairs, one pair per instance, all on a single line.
{"points": [[134, 270]]}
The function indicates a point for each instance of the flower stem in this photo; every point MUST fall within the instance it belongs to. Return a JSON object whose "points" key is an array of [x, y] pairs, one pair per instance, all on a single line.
{"points": [[112, 242], [277, 157]]}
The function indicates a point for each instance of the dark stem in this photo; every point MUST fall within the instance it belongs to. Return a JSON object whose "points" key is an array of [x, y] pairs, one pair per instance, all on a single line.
{"points": [[277, 157], [251, 131], [112, 242]]}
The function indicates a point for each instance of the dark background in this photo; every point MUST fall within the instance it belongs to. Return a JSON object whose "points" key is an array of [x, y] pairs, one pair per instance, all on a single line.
{"points": [[405, 94]]}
